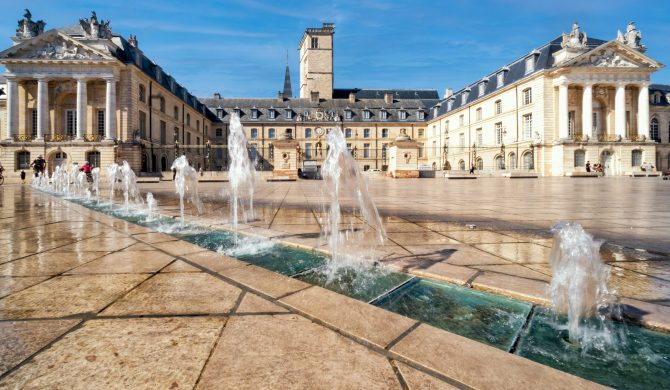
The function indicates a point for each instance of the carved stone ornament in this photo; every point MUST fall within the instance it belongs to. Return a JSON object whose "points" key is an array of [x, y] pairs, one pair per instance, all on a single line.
{"points": [[95, 29], [575, 39], [60, 49], [27, 28], [408, 157], [631, 38], [609, 59]]}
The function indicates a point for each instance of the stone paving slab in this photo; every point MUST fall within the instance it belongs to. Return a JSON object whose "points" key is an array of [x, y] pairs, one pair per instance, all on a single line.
{"points": [[124, 263], [47, 263]]}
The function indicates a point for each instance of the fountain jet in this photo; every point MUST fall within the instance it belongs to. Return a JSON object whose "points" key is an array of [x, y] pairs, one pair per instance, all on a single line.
{"points": [[241, 174], [186, 180]]}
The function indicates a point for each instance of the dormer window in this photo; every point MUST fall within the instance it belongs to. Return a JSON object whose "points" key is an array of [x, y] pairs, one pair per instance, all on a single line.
{"points": [[450, 104], [402, 114], [254, 113], [500, 77], [420, 115], [347, 114], [383, 114], [288, 113], [481, 88], [530, 63], [219, 112], [272, 114], [366, 113], [237, 111], [464, 96], [436, 111]]}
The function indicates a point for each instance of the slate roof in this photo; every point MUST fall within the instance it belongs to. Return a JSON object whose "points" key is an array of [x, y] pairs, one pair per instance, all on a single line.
{"points": [[515, 71], [665, 94]]}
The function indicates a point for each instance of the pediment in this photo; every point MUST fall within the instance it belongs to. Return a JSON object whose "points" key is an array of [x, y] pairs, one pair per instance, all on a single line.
{"points": [[53, 45], [614, 55]]}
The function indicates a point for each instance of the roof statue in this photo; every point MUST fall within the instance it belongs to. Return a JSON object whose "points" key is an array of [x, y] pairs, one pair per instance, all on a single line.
{"points": [[27, 28], [575, 39], [631, 38], [95, 29]]}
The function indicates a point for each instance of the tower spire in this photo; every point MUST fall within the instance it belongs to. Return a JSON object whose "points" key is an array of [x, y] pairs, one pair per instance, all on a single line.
{"points": [[288, 93]]}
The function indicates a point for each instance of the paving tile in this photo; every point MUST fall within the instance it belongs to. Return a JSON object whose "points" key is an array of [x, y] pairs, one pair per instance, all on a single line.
{"points": [[153, 237], [524, 253], [109, 244], [416, 379], [20, 339], [515, 270], [125, 263], [481, 366], [639, 286], [9, 285], [142, 353], [648, 314], [214, 261], [180, 266], [252, 303], [480, 237], [47, 263], [177, 293], [360, 319], [447, 272], [140, 246], [179, 248], [425, 238], [68, 295], [264, 281], [326, 360], [512, 286]]}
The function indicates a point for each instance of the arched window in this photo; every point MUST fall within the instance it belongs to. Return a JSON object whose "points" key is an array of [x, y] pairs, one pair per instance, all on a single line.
{"points": [[22, 159], [162, 104], [580, 158], [636, 158], [500, 162], [528, 161], [308, 133], [479, 164], [197, 124], [143, 94], [93, 158], [175, 113], [188, 119], [254, 133], [653, 130], [272, 133], [512, 160], [461, 165]]}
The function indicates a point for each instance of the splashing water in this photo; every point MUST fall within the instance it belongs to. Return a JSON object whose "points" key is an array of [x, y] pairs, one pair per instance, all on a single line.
{"points": [[579, 286], [151, 205], [353, 246], [113, 175], [186, 180], [131, 191], [95, 173], [241, 173]]}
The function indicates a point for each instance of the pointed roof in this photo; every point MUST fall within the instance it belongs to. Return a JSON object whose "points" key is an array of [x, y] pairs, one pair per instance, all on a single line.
{"points": [[288, 93]]}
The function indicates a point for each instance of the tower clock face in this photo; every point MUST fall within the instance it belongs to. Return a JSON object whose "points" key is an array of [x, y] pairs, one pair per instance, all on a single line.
{"points": [[319, 131]]}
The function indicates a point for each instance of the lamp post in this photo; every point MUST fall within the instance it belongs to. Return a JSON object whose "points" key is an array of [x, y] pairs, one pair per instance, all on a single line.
{"points": [[208, 149], [176, 149], [474, 154]]}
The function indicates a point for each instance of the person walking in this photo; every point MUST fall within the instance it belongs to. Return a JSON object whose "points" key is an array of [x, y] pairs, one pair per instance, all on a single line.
{"points": [[38, 165], [86, 168], [588, 166], [23, 177], [472, 169]]}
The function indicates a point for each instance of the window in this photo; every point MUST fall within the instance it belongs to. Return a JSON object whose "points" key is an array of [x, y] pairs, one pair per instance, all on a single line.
{"points": [[347, 133], [653, 130], [383, 115], [479, 164], [446, 125], [464, 96], [366, 167], [188, 139], [101, 122], [175, 113], [288, 114], [93, 158], [33, 117], [500, 79], [366, 133], [366, 150], [498, 107], [315, 43], [143, 94], [70, 122], [308, 150], [512, 160], [272, 114], [636, 158], [162, 104], [530, 64], [218, 132], [402, 115], [480, 137], [450, 104], [461, 165], [527, 126], [254, 133], [163, 130], [366, 114], [289, 133], [528, 161], [347, 114], [478, 114], [434, 151], [596, 126], [500, 162], [197, 125], [461, 120], [580, 158], [571, 123], [499, 133], [461, 140], [188, 120], [527, 96], [143, 124], [420, 133], [254, 113], [308, 133], [385, 133], [253, 152], [272, 133], [481, 88], [219, 112], [420, 115], [22, 159]]}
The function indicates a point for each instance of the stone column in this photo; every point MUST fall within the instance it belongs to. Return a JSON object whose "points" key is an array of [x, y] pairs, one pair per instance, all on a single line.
{"points": [[12, 108], [620, 110], [563, 111], [42, 107], [587, 110], [643, 111], [110, 110], [82, 102]]}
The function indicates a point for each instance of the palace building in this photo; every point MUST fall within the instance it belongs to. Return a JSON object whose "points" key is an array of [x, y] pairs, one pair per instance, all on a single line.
{"points": [[84, 92]]}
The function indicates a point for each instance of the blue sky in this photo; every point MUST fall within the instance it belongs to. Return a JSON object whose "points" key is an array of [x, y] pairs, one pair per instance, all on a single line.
{"points": [[238, 47]]}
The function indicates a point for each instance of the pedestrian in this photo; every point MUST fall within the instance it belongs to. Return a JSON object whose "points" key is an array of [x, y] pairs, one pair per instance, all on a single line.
{"points": [[86, 168], [472, 169], [588, 166], [23, 177], [38, 165], [174, 173]]}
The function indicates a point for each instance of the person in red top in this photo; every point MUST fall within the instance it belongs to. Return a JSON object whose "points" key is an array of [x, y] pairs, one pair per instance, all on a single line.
{"points": [[86, 168]]}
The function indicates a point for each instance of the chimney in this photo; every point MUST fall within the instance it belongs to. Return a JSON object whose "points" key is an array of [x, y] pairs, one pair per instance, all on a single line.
{"points": [[280, 96], [314, 96], [217, 95], [388, 97], [448, 92], [133, 40], [352, 97]]}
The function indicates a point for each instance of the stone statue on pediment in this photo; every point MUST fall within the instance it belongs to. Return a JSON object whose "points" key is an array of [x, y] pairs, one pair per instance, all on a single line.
{"points": [[95, 29], [27, 28], [575, 39], [631, 37]]}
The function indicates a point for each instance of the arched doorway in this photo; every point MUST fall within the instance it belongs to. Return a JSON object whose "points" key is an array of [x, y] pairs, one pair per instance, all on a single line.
{"points": [[56, 159], [528, 161], [145, 162], [434, 166], [153, 163], [607, 161], [461, 165], [479, 164], [164, 165], [500, 163], [512, 160]]}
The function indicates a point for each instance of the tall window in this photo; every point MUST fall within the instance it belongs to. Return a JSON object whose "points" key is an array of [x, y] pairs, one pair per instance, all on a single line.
{"points": [[571, 123], [22, 159], [366, 133], [308, 150], [33, 117], [512, 160], [461, 120], [500, 162], [218, 132], [478, 114], [499, 133], [188, 120], [498, 107], [347, 133], [461, 140], [101, 122], [308, 133], [481, 89], [272, 133], [527, 96], [385, 133], [188, 139], [70, 122], [528, 126], [653, 130], [420, 115], [254, 133], [93, 158], [500, 79], [142, 94], [420, 131], [197, 125], [272, 114], [402, 115], [383, 115], [253, 152], [366, 114], [288, 114], [163, 130], [480, 137], [580, 158], [366, 150], [162, 104], [530, 64], [528, 161], [315, 43], [143, 124], [636, 157], [254, 113], [175, 113], [596, 126]]}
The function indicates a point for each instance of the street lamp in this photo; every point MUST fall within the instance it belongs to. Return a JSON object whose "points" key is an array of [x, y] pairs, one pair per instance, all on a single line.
{"points": [[208, 149]]}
